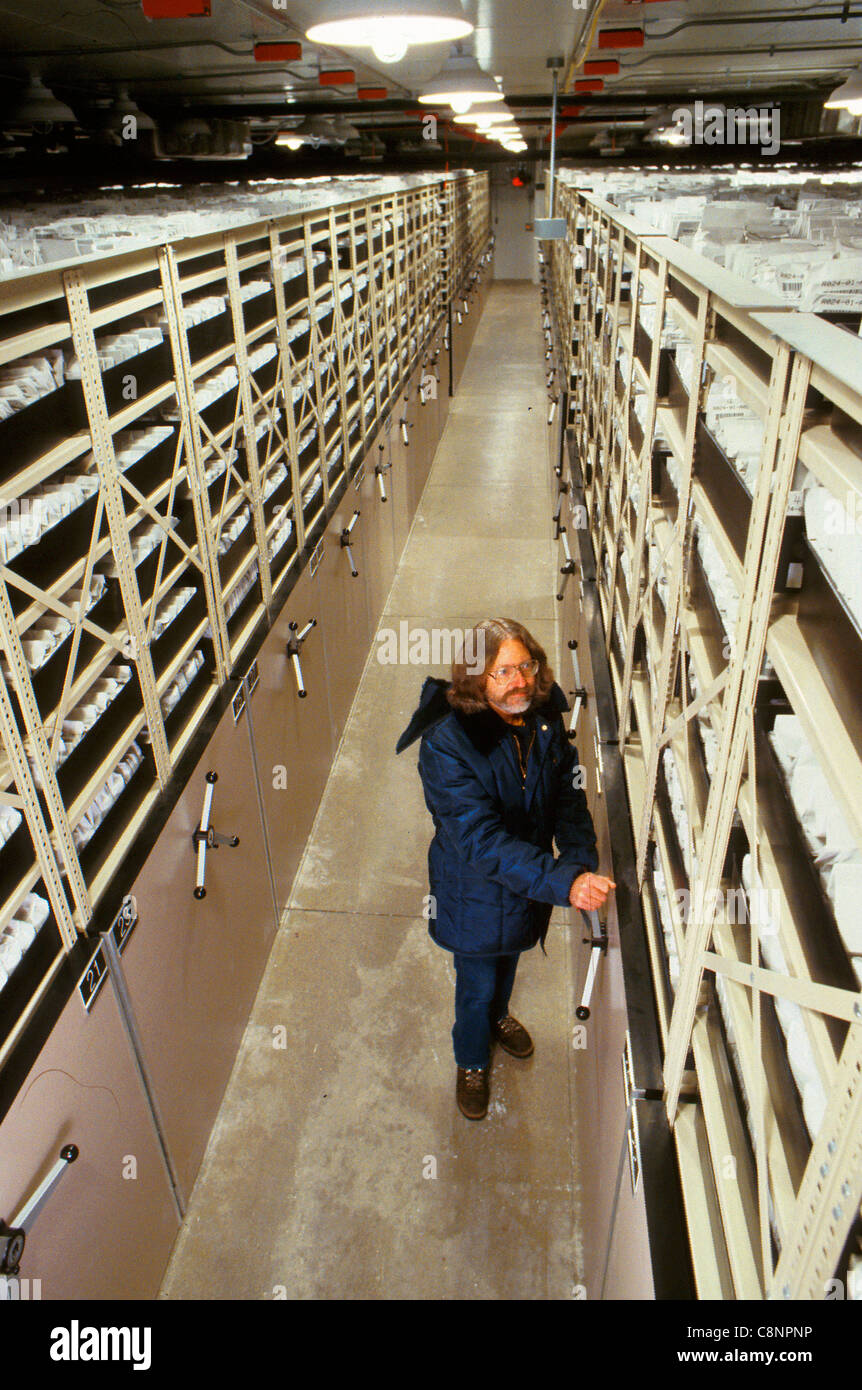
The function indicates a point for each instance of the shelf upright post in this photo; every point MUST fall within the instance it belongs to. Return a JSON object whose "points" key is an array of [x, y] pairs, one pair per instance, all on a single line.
{"points": [[605, 430], [314, 345], [28, 798], [338, 335], [184, 385], [385, 287], [681, 549], [645, 487], [769, 508], [374, 308], [244, 371], [361, 321], [276, 257], [84, 342], [398, 280], [830, 1192], [611, 410]]}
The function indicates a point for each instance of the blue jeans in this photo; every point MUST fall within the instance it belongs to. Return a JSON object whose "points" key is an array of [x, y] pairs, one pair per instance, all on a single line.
{"points": [[483, 988]]}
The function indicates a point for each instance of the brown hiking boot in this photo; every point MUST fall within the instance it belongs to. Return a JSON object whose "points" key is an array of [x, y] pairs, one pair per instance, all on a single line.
{"points": [[513, 1037], [472, 1092]]}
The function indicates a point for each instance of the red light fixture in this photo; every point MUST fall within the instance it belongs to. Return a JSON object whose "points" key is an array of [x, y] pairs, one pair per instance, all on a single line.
{"points": [[601, 67], [277, 52], [337, 77], [589, 84], [176, 9], [517, 181], [621, 38]]}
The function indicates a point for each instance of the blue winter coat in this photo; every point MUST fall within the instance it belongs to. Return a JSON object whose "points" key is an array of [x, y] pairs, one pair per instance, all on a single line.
{"points": [[491, 867]]}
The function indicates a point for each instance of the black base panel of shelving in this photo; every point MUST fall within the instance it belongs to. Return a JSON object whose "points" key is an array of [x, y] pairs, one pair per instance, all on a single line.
{"points": [[673, 1275]]}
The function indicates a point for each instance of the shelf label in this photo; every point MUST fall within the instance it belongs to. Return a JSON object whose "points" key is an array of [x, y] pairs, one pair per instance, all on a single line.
{"points": [[97, 968]]}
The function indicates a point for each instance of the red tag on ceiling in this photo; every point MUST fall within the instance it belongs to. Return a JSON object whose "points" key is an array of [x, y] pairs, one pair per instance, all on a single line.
{"points": [[601, 67], [589, 84], [176, 9], [277, 52], [572, 111], [621, 38], [338, 77], [372, 93]]}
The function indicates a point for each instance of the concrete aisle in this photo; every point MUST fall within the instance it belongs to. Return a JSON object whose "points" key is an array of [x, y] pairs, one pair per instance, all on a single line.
{"points": [[340, 1166]]}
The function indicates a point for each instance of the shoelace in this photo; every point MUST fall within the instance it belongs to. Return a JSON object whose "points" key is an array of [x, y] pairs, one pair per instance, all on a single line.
{"points": [[474, 1078]]}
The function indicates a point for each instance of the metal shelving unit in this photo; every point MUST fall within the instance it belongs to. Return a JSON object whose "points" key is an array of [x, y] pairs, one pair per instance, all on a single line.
{"points": [[162, 501], [721, 617]]}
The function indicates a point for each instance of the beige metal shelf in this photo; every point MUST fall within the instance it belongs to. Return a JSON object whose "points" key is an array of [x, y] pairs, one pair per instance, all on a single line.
{"points": [[814, 704], [835, 463], [777, 361], [378, 305]]}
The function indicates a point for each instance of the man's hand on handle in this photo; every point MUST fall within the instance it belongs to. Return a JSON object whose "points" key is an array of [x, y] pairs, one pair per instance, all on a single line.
{"points": [[589, 891]]}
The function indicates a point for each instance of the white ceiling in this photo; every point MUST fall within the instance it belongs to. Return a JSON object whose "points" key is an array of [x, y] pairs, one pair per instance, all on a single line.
{"points": [[693, 47]]}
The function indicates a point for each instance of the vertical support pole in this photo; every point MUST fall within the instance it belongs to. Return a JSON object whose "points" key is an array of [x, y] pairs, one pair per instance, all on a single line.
{"points": [[190, 427], [276, 259], [84, 340], [247, 405]]}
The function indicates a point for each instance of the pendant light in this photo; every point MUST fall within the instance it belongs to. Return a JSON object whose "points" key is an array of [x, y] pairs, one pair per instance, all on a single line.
{"points": [[848, 96], [486, 115], [38, 104], [461, 83], [314, 131], [389, 27]]}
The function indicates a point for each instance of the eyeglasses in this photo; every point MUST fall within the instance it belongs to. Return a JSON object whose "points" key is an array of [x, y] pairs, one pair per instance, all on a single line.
{"points": [[505, 673]]}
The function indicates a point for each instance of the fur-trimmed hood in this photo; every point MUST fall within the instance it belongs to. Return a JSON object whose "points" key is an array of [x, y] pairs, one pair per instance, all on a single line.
{"points": [[484, 729]]}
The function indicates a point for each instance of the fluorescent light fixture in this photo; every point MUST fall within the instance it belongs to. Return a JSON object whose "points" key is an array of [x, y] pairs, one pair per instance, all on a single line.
{"points": [[388, 27], [461, 83], [289, 140]]}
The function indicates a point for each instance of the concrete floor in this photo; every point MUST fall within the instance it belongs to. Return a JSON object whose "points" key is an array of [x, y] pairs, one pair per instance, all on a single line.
{"points": [[340, 1166]]}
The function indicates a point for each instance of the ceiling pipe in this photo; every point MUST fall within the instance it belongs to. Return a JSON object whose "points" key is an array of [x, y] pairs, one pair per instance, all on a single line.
{"points": [[732, 21], [583, 41]]}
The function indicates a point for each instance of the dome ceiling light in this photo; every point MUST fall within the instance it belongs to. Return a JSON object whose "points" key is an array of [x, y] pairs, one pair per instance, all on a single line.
{"points": [[486, 115], [314, 131], [848, 96], [37, 103], [388, 27], [461, 83]]}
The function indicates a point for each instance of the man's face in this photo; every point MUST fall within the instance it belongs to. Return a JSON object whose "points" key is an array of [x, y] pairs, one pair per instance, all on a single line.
{"points": [[514, 693]]}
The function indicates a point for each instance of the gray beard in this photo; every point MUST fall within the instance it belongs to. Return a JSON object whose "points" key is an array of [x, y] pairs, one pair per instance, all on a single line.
{"points": [[514, 707]]}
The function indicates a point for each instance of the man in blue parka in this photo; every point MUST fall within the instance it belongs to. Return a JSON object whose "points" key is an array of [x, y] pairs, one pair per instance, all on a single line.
{"points": [[501, 782]]}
